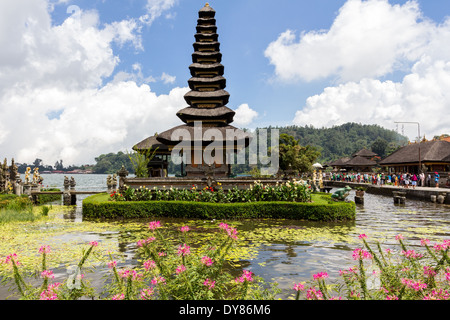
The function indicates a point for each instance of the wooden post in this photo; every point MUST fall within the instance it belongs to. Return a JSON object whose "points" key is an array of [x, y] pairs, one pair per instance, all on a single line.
{"points": [[399, 197]]}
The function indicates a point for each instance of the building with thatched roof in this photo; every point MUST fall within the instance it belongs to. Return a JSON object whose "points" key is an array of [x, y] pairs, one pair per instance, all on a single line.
{"points": [[426, 156], [339, 164], [365, 154], [360, 164], [158, 153], [360, 161], [207, 118]]}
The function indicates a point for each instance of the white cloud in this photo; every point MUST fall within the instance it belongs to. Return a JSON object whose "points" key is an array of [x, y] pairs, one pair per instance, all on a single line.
{"points": [[54, 103], [155, 9], [423, 96], [75, 54], [367, 39], [168, 79], [244, 115], [93, 121], [367, 42]]}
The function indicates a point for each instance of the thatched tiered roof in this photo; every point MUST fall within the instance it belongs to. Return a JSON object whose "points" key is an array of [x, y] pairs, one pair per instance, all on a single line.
{"points": [[360, 161], [340, 162], [207, 99], [430, 151], [151, 143], [364, 153]]}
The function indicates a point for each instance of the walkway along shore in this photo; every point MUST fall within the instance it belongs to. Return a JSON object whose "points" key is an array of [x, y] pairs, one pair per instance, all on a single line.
{"points": [[419, 193]]}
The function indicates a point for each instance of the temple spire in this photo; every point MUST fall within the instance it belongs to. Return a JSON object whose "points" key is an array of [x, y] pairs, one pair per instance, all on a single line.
{"points": [[207, 98]]}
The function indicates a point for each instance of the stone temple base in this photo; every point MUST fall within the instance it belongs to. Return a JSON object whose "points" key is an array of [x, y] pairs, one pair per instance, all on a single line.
{"points": [[202, 171]]}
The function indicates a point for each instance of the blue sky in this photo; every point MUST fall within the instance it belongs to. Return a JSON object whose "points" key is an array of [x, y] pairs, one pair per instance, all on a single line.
{"points": [[87, 77]]}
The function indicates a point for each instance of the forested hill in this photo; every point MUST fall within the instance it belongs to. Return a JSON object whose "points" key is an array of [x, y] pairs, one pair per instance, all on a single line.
{"points": [[344, 140]]}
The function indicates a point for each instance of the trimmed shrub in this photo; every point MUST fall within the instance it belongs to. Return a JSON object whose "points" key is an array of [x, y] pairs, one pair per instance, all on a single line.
{"points": [[98, 206]]}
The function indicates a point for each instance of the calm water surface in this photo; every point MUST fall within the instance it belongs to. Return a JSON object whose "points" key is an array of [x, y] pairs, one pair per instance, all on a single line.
{"points": [[310, 247]]}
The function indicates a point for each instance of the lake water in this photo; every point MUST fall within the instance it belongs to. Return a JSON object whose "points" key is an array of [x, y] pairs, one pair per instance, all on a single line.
{"points": [[292, 251]]}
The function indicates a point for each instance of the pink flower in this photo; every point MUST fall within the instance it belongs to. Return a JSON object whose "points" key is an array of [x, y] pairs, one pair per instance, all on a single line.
{"points": [[424, 242], [112, 264], [146, 294], [142, 243], [411, 254], [320, 275], [132, 274], [158, 280], [299, 287], [429, 271], [207, 261], [359, 254], [118, 297], [209, 283], [362, 236], [10, 259], [393, 297], [416, 285], [246, 276], [399, 237], [314, 294], [184, 229], [50, 293], [154, 225], [180, 269], [93, 243], [447, 276], [223, 226], [149, 265], [437, 295], [44, 249], [162, 254], [442, 246], [47, 274], [231, 232], [184, 250]]}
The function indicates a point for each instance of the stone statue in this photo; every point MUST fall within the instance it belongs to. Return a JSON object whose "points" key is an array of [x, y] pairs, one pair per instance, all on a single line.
{"points": [[66, 183], [210, 174], [114, 181], [320, 179], [13, 171], [341, 194], [36, 175], [27, 175], [122, 173], [72, 183]]}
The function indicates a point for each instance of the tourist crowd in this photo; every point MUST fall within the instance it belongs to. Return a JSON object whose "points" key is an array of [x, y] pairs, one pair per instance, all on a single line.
{"points": [[405, 180]]}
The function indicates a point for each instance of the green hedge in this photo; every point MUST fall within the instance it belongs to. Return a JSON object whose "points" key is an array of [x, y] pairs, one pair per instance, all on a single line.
{"points": [[98, 206]]}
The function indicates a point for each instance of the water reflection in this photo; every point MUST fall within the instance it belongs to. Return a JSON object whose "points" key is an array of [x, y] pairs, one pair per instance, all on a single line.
{"points": [[292, 251]]}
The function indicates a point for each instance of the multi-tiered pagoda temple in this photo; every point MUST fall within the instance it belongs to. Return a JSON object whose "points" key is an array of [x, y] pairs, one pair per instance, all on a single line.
{"points": [[207, 118]]}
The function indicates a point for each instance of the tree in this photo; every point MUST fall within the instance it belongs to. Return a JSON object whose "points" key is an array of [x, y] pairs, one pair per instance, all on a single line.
{"points": [[379, 147], [59, 165], [37, 163], [294, 156], [140, 162]]}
